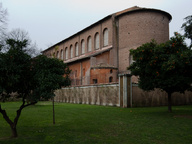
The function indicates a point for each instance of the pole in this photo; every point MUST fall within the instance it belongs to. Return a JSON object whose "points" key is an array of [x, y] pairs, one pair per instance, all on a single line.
{"points": [[53, 112]]}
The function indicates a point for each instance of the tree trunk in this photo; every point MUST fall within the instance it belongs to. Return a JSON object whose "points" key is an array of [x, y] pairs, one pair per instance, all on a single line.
{"points": [[11, 123], [14, 132], [169, 102]]}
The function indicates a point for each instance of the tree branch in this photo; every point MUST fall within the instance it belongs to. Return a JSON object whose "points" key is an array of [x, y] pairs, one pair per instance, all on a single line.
{"points": [[3, 112], [20, 109]]}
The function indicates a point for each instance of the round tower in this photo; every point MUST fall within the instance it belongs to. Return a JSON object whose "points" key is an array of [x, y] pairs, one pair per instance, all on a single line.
{"points": [[139, 26]]}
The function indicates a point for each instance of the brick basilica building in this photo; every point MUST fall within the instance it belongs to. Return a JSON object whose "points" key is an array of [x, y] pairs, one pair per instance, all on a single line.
{"points": [[98, 53]]}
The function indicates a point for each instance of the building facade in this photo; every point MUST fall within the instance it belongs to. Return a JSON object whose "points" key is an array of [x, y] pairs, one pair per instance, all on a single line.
{"points": [[98, 53]]}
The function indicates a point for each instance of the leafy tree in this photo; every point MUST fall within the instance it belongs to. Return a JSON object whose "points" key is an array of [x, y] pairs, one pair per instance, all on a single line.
{"points": [[167, 66], [32, 79], [14, 72], [50, 74], [48, 77], [187, 27], [14, 68]]}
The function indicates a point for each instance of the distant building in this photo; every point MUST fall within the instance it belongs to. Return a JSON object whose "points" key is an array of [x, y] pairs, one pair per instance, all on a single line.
{"points": [[98, 53]]}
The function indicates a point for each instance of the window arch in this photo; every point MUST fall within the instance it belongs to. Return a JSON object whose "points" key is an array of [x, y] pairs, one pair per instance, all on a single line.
{"points": [[82, 47], [58, 54], [97, 41], [61, 54], [110, 79], [89, 44], [66, 53], [105, 37], [76, 49], [131, 60], [71, 51]]}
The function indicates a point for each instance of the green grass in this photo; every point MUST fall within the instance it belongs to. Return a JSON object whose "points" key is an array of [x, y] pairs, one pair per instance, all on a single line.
{"points": [[84, 124]]}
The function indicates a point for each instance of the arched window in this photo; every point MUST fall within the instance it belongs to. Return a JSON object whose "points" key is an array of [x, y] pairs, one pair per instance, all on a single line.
{"points": [[97, 41], [76, 49], [71, 51], [131, 59], [110, 79], [105, 37], [58, 54], [66, 53], [89, 44], [61, 54], [82, 47]]}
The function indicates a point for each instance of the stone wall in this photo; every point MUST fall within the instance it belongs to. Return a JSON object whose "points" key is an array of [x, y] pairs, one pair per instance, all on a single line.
{"points": [[158, 98], [96, 94], [108, 95]]}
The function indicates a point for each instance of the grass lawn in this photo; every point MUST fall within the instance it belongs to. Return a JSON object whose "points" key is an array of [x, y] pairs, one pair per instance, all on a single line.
{"points": [[84, 124]]}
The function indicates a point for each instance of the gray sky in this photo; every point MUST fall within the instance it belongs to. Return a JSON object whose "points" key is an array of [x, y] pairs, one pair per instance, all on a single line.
{"points": [[50, 21]]}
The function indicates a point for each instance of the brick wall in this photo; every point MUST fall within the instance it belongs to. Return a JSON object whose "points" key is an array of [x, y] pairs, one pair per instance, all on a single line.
{"points": [[103, 75], [138, 28], [80, 72], [83, 35], [126, 30]]}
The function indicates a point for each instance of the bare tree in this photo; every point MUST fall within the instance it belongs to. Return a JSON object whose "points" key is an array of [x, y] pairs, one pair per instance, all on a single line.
{"points": [[3, 18], [16, 34], [3, 24], [187, 27], [21, 35]]}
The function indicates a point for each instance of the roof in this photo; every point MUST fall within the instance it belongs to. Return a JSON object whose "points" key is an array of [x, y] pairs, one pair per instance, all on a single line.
{"points": [[103, 66], [117, 14], [88, 55], [127, 10], [136, 9]]}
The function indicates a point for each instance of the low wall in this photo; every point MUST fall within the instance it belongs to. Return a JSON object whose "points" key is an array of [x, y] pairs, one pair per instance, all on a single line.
{"points": [[108, 94], [96, 94], [158, 98]]}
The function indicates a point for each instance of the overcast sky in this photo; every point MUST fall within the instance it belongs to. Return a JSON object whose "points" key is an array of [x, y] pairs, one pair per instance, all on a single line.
{"points": [[50, 21]]}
